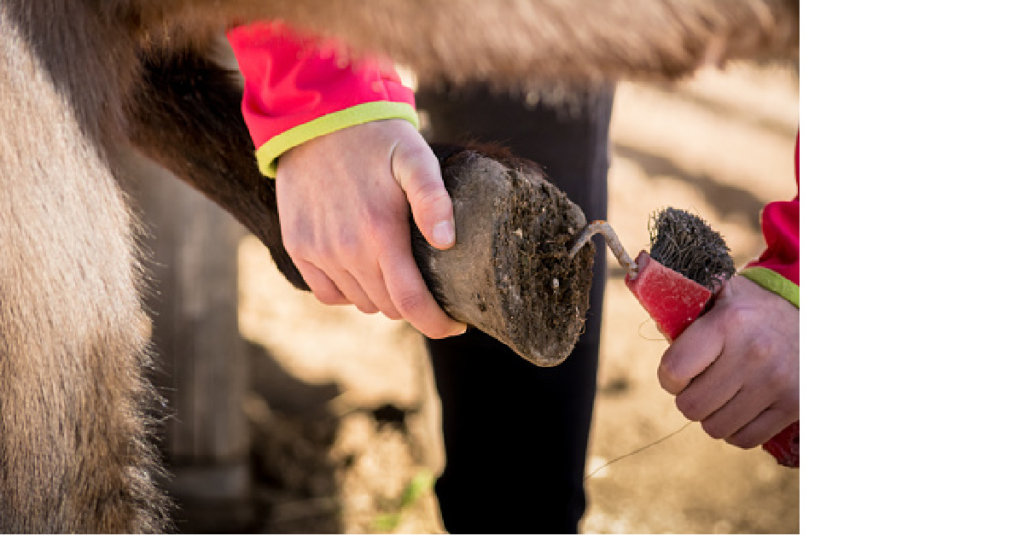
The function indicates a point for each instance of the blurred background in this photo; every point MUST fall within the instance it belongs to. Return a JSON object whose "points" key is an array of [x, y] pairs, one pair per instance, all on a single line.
{"points": [[339, 425]]}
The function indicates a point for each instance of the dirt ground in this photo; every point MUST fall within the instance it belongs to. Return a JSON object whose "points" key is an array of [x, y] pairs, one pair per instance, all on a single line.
{"points": [[345, 421]]}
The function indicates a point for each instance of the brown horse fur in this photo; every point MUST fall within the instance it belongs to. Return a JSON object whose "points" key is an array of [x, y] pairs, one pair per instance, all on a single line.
{"points": [[79, 78], [468, 39]]}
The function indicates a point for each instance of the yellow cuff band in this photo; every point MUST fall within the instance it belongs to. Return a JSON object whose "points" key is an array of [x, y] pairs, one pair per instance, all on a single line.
{"points": [[269, 152], [773, 281]]}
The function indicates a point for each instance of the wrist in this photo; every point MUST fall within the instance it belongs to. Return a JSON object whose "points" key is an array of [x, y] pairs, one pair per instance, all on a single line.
{"points": [[774, 282], [268, 154]]}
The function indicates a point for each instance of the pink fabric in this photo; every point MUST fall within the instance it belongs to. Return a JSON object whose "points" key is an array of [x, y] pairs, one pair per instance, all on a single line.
{"points": [[780, 224], [785, 446], [291, 79]]}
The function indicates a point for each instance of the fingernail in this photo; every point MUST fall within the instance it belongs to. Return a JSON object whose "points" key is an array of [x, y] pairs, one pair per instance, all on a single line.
{"points": [[444, 233]]}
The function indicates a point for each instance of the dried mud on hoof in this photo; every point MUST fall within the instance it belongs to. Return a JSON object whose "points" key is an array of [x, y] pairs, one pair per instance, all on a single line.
{"points": [[510, 274]]}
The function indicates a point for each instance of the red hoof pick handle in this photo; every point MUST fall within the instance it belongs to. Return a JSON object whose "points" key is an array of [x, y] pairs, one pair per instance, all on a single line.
{"points": [[687, 265]]}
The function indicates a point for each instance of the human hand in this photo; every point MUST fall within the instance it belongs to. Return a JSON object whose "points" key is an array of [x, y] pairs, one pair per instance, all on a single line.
{"points": [[736, 369], [344, 200]]}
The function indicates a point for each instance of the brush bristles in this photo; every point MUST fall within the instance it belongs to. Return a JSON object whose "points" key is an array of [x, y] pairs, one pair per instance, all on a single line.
{"points": [[685, 243]]}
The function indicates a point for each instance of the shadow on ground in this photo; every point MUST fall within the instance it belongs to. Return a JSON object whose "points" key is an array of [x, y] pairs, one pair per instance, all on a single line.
{"points": [[728, 200]]}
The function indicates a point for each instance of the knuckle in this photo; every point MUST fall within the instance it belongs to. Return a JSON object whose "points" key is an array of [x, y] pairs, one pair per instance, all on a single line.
{"points": [[713, 429], [742, 441], [775, 379], [387, 308], [295, 245], [670, 378], [791, 405], [687, 405], [328, 298], [788, 405], [341, 246], [734, 317], [419, 157], [762, 354], [410, 303], [665, 378], [429, 195], [764, 346], [367, 308], [758, 358]]}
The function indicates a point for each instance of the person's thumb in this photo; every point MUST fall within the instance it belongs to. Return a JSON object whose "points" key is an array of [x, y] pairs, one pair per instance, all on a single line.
{"points": [[418, 173]]}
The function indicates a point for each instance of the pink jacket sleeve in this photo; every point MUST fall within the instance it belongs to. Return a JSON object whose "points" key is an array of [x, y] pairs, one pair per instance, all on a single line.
{"points": [[298, 87], [778, 268]]}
